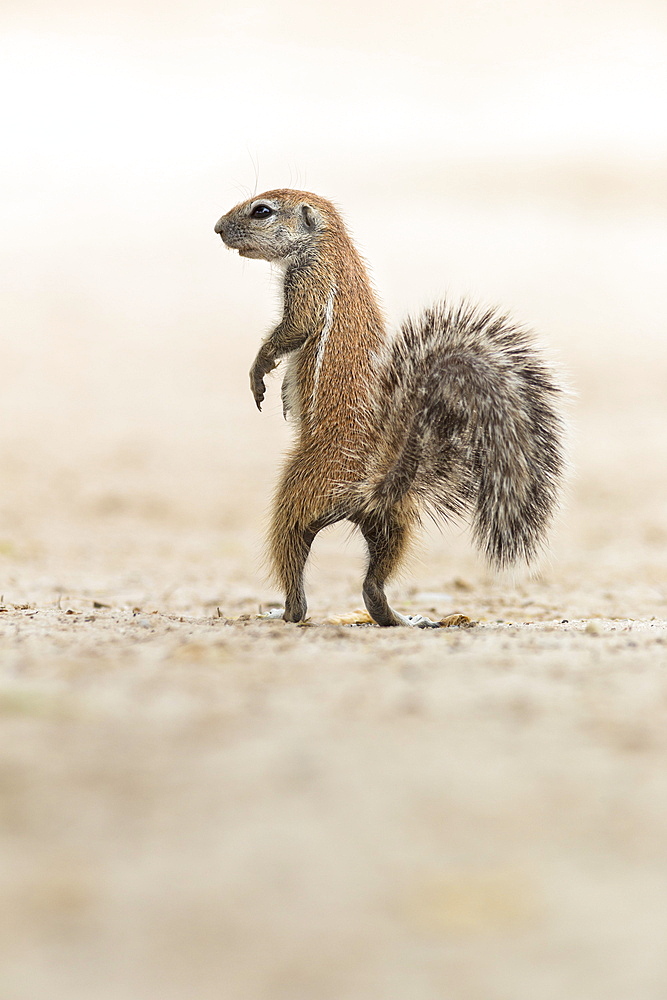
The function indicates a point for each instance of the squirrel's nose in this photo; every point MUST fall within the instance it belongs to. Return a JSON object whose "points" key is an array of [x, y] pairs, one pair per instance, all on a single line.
{"points": [[220, 225]]}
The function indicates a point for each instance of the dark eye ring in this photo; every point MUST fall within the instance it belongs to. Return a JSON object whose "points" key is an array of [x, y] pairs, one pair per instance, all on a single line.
{"points": [[261, 212]]}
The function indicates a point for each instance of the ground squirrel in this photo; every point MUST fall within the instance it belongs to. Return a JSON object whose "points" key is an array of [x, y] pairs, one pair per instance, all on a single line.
{"points": [[456, 413]]}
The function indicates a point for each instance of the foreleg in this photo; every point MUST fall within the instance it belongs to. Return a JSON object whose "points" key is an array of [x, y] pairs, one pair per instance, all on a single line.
{"points": [[282, 341]]}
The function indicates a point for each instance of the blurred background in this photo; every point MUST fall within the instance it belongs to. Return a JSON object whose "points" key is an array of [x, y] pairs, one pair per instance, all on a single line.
{"points": [[511, 151], [191, 809]]}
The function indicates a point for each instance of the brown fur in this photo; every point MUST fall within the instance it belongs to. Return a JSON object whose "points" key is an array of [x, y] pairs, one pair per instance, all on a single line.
{"points": [[385, 429]]}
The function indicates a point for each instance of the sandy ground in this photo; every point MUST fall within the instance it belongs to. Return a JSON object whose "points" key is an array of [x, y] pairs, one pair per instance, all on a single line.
{"points": [[196, 803]]}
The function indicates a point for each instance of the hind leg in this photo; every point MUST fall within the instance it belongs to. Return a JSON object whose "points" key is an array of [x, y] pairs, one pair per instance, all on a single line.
{"points": [[387, 538], [295, 553], [290, 552], [290, 537], [294, 526]]}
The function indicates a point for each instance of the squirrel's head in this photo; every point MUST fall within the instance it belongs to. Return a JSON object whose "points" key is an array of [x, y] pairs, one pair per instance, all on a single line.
{"points": [[278, 226]]}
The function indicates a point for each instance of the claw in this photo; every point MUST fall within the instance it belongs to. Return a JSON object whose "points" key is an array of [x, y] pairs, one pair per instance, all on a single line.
{"points": [[258, 389]]}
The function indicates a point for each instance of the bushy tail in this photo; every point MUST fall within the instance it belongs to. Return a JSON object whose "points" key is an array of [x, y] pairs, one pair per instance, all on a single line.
{"points": [[471, 411]]}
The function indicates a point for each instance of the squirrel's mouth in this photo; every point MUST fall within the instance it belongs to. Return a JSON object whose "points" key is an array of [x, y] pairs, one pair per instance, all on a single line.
{"points": [[233, 242]]}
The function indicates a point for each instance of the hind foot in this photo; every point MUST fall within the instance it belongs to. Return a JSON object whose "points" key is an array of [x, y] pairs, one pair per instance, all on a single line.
{"points": [[417, 621]]}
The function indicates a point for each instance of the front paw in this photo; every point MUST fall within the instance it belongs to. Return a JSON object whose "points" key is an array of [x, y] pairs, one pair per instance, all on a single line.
{"points": [[257, 386], [262, 366]]}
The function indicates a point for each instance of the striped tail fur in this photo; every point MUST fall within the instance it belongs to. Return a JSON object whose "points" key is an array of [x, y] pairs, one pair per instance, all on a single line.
{"points": [[471, 411]]}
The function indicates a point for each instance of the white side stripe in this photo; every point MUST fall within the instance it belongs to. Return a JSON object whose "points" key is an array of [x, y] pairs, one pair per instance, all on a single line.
{"points": [[324, 336]]}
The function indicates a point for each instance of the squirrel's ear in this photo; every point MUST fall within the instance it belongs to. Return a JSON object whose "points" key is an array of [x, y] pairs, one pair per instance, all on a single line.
{"points": [[310, 216]]}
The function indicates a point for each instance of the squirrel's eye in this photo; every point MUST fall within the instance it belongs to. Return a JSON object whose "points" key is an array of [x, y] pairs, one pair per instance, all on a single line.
{"points": [[261, 212]]}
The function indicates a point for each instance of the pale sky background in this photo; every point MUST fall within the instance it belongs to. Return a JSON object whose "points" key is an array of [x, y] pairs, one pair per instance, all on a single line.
{"points": [[512, 151]]}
